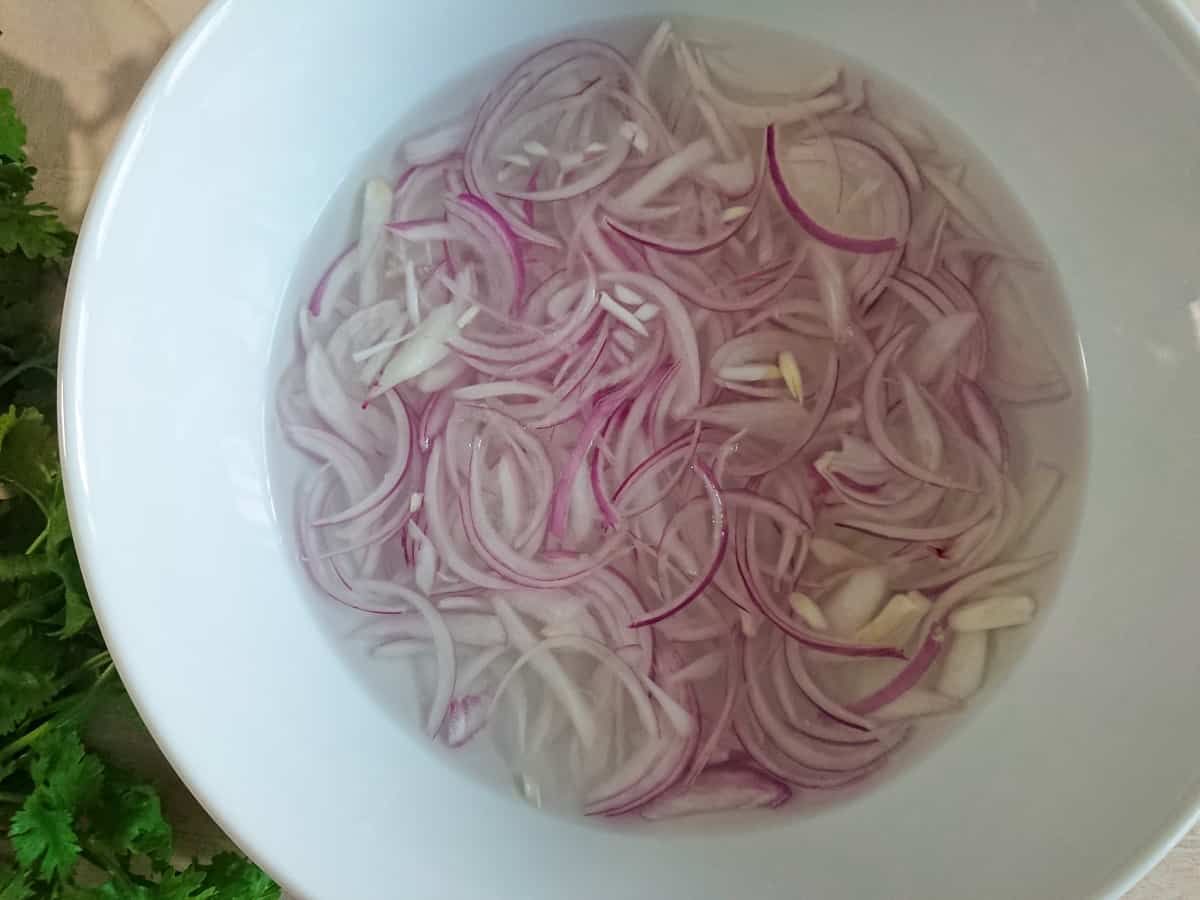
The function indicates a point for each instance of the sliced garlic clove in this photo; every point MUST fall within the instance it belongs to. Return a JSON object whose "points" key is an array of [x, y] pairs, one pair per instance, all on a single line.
{"points": [[808, 611], [896, 620], [1006, 611], [856, 600], [964, 665]]}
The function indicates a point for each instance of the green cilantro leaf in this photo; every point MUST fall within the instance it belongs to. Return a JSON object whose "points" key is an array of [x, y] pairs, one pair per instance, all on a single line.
{"points": [[22, 694], [235, 876], [16, 179], [29, 665], [34, 246], [186, 885], [29, 464], [12, 129], [13, 885], [27, 451], [65, 769], [43, 836], [34, 229], [128, 818]]}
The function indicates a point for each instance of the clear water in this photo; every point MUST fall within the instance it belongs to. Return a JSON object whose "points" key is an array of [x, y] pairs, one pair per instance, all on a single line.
{"points": [[1053, 433]]}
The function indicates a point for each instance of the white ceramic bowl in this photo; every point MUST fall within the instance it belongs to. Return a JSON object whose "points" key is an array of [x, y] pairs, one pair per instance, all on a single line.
{"points": [[1070, 782]]}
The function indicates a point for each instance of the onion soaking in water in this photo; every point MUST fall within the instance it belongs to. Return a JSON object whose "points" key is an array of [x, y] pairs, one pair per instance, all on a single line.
{"points": [[690, 425]]}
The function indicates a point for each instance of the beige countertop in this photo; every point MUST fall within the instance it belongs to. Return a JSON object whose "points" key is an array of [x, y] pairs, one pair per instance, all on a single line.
{"points": [[75, 67]]}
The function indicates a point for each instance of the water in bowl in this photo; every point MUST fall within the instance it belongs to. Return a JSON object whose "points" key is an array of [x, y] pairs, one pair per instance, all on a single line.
{"points": [[1031, 311]]}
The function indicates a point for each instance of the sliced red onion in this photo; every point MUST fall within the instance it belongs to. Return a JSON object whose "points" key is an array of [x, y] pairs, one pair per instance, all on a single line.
{"points": [[761, 417], [797, 745], [538, 654], [1040, 488], [719, 725], [443, 642], [719, 789], [798, 666], [801, 712], [332, 403], [985, 422], [470, 628], [810, 104], [681, 333], [775, 762], [690, 246], [704, 579], [486, 221], [967, 587], [962, 202], [587, 435], [672, 761], [333, 280], [939, 343], [878, 136], [831, 285], [908, 677], [873, 415], [396, 470], [781, 620], [807, 222], [465, 717]]}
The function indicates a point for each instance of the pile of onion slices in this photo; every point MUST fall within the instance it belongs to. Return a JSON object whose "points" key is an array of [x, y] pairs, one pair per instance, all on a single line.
{"points": [[657, 423]]}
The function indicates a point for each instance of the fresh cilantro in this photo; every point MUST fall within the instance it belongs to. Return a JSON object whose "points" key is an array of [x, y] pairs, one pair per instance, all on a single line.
{"points": [[43, 836], [29, 468], [13, 885], [12, 129], [61, 765], [129, 819], [34, 249], [77, 828], [34, 228], [231, 875], [26, 448]]}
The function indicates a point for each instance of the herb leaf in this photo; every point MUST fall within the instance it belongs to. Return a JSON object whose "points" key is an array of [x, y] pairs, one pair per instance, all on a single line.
{"points": [[13, 885], [235, 876], [128, 818], [12, 129], [43, 836]]}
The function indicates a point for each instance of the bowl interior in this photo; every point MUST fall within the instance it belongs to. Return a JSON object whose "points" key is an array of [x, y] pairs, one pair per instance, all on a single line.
{"points": [[1066, 784], [1049, 434]]}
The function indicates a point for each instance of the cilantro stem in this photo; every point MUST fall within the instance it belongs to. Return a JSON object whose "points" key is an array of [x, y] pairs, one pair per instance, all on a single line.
{"points": [[103, 859], [25, 740], [80, 697], [14, 567], [79, 701], [41, 539], [100, 659], [11, 798], [105, 863], [27, 607], [84, 700], [45, 364]]}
